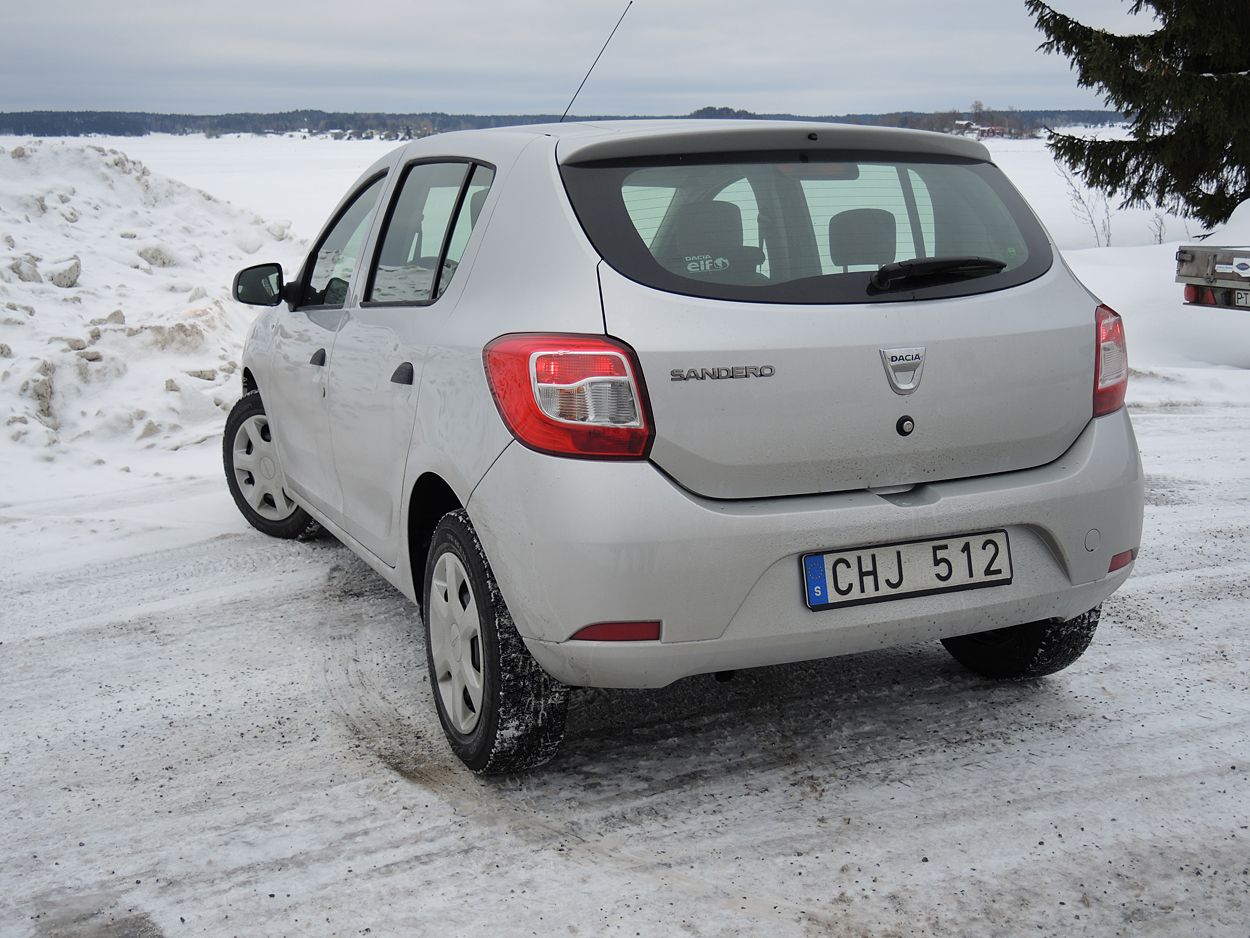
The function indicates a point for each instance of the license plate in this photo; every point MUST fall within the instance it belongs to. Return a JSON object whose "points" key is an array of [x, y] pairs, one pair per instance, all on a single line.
{"points": [[912, 568], [1241, 298]]}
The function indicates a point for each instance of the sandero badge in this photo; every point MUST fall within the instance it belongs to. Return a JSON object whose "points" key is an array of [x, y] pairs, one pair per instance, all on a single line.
{"points": [[724, 371]]}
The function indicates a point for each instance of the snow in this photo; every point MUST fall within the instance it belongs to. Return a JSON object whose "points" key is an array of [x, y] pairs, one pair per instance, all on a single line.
{"points": [[289, 176], [139, 349], [211, 732], [1236, 231]]}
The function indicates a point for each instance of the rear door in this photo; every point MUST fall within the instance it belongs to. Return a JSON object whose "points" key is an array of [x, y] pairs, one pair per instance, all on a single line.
{"points": [[759, 389], [379, 354]]}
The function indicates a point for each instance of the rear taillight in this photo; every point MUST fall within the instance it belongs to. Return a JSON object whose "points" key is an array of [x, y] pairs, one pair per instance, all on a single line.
{"points": [[571, 395], [1110, 362], [1205, 296]]}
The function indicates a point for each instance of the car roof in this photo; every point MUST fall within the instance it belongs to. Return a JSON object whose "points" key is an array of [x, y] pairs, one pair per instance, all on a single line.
{"points": [[598, 140], [583, 141]]}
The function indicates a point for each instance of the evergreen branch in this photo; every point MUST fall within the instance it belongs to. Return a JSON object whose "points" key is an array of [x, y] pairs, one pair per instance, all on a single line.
{"points": [[1184, 85]]}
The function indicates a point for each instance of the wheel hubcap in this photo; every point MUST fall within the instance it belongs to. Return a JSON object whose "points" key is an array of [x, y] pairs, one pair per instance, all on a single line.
{"points": [[456, 643], [256, 470]]}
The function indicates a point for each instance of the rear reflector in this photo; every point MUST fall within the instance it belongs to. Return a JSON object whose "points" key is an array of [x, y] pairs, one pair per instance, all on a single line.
{"points": [[1120, 560], [1110, 362], [571, 395], [619, 632]]}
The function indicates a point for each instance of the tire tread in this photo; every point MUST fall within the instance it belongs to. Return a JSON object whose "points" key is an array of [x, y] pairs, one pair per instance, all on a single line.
{"points": [[300, 524], [526, 727], [1032, 650]]}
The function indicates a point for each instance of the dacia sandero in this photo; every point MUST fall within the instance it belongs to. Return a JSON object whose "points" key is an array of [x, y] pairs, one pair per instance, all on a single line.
{"points": [[619, 403]]}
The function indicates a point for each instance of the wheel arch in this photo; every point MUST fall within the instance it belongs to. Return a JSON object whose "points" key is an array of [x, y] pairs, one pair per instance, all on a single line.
{"points": [[431, 498]]}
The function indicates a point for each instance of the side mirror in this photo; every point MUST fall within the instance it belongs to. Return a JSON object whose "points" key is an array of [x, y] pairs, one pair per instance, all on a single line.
{"points": [[261, 285]]}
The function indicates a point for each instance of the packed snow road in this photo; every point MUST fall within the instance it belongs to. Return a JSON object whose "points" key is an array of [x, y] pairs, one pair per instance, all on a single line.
{"points": [[209, 732]]}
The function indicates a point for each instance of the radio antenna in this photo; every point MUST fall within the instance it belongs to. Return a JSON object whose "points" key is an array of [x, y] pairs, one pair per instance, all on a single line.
{"points": [[595, 62]]}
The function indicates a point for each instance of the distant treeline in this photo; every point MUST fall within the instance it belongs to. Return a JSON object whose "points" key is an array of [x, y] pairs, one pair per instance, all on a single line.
{"points": [[137, 124]]}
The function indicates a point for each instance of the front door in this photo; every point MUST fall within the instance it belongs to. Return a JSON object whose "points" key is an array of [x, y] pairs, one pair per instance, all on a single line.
{"points": [[380, 349], [296, 401]]}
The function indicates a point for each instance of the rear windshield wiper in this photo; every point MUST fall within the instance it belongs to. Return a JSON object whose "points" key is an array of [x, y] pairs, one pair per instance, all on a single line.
{"points": [[920, 267]]}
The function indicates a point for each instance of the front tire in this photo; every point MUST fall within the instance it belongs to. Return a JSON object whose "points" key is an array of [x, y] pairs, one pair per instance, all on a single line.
{"points": [[254, 473], [1034, 649], [501, 712]]}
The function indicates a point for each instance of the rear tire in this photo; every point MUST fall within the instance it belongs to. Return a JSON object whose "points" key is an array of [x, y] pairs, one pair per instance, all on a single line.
{"points": [[1034, 649], [501, 712], [254, 473]]}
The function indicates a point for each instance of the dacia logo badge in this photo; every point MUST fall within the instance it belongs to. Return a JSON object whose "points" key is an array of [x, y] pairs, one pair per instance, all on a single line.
{"points": [[903, 367]]}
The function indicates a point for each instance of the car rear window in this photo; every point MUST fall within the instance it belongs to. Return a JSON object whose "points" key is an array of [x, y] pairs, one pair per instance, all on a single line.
{"points": [[805, 227]]}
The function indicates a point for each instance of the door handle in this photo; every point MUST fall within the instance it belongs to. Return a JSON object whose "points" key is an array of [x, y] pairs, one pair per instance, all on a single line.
{"points": [[403, 374], [319, 357]]}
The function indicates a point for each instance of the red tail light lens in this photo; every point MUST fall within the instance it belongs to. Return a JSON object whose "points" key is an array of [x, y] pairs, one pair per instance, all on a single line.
{"points": [[571, 395], [1110, 362], [1192, 293], [619, 632]]}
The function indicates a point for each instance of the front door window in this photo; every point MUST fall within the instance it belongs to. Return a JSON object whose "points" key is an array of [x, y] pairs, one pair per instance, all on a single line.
{"points": [[337, 253]]}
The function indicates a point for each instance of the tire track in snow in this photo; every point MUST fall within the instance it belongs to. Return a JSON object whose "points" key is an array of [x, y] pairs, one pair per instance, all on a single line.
{"points": [[416, 750], [153, 583]]}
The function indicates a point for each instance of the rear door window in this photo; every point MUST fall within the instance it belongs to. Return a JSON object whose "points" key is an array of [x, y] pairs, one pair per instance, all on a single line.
{"points": [[426, 231], [806, 229], [477, 185]]}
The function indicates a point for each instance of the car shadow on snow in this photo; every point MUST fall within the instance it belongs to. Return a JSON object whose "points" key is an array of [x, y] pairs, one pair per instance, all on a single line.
{"points": [[859, 712], [874, 714]]}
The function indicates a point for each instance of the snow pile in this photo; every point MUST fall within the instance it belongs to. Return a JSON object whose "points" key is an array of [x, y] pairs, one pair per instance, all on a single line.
{"points": [[1236, 231], [277, 175], [117, 330]]}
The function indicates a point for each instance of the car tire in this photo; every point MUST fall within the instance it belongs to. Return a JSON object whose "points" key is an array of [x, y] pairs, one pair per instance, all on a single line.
{"points": [[1034, 649], [254, 473], [500, 710]]}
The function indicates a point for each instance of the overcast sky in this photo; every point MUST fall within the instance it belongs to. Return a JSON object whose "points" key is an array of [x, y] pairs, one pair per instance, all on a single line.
{"points": [[526, 57]]}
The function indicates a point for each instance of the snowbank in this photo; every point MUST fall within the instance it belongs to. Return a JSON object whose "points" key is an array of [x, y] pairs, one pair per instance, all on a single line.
{"points": [[1236, 232], [117, 331]]}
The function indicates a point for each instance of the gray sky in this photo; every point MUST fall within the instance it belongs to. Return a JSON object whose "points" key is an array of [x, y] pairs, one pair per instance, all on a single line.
{"points": [[495, 57]]}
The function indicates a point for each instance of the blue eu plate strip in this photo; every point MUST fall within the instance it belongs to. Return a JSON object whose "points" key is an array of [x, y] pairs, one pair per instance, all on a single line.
{"points": [[817, 591]]}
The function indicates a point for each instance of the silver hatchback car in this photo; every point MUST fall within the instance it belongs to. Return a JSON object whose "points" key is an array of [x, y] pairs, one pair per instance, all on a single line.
{"points": [[620, 403]]}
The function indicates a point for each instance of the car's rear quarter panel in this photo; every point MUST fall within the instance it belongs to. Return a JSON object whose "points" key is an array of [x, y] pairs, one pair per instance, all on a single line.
{"points": [[533, 271]]}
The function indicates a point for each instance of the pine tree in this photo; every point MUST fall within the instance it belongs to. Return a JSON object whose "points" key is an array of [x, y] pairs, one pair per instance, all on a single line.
{"points": [[1186, 89]]}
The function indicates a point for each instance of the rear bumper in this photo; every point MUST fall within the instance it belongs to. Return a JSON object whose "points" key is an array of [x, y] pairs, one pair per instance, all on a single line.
{"points": [[576, 542]]}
